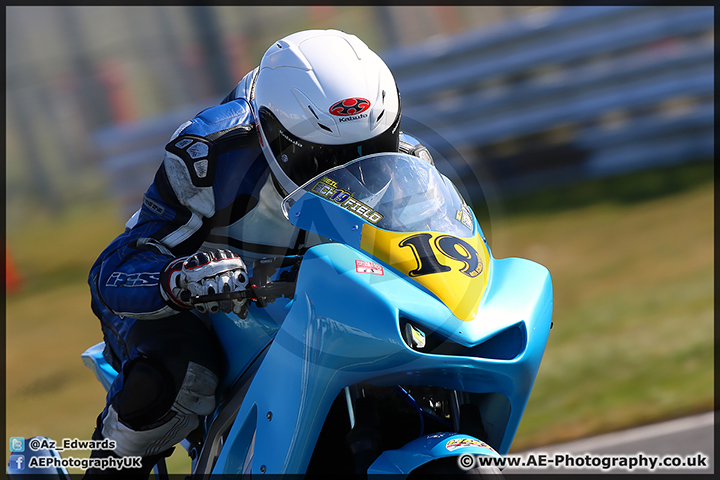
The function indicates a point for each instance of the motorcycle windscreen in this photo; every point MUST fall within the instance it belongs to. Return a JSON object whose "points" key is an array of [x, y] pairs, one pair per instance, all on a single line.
{"points": [[393, 191], [412, 217]]}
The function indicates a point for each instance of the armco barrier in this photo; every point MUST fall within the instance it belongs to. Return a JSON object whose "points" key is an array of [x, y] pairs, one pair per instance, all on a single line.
{"points": [[634, 87], [572, 69]]}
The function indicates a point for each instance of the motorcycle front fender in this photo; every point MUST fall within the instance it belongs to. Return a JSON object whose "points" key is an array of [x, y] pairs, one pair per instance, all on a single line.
{"points": [[425, 449]]}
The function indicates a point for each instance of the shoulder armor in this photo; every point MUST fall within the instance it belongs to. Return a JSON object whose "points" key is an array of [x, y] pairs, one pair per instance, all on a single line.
{"points": [[199, 155], [216, 121], [212, 132]]}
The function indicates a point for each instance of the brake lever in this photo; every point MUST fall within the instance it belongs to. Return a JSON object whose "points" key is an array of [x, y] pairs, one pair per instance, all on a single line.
{"points": [[259, 295], [261, 291], [218, 297]]}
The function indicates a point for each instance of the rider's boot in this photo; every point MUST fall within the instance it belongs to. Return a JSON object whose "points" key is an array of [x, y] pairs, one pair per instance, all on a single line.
{"points": [[130, 469]]}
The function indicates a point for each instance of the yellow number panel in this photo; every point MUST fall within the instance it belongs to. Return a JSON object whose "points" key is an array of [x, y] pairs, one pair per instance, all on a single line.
{"points": [[454, 269]]}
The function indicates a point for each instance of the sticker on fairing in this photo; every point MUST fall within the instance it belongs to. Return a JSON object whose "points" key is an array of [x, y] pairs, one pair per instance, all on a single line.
{"points": [[328, 189], [363, 266], [456, 443]]}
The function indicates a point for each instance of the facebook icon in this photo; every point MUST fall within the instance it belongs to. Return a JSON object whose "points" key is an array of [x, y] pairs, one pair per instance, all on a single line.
{"points": [[20, 462]]}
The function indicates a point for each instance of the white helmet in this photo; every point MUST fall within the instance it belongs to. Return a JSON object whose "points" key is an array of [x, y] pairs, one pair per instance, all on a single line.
{"points": [[323, 98]]}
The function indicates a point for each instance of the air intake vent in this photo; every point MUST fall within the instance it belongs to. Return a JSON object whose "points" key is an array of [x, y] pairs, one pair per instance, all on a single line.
{"points": [[505, 345]]}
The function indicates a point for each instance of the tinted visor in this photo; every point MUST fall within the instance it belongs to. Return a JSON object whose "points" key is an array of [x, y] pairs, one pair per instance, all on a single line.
{"points": [[302, 160]]}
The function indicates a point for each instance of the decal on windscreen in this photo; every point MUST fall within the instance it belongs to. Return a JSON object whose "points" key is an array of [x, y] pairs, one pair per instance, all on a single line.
{"points": [[327, 188], [464, 217]]}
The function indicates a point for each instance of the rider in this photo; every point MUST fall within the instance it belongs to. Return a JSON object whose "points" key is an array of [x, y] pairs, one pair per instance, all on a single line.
{"points": [[319, 98]]}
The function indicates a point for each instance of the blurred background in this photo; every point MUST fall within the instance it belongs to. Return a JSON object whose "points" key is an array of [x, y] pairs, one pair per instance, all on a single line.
{"points": [[583, 136]]}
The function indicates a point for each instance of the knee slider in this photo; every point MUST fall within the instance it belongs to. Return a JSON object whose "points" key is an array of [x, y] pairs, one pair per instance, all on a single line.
{"points": [[147, 395], [151, 413], [197, 392]]}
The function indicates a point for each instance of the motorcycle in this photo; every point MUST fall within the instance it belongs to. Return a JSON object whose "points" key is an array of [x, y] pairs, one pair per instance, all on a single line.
{"points": [[399, 345]]}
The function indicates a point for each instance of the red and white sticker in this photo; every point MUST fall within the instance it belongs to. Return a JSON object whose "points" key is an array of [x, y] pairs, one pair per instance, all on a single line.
{"points": [[363, 266]]}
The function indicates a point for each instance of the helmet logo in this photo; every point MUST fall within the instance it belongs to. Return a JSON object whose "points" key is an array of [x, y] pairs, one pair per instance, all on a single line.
{"points": [[349, 106]]}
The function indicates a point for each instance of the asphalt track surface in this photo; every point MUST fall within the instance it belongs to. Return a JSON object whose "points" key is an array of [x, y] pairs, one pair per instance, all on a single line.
{"points": [[685, 438]]}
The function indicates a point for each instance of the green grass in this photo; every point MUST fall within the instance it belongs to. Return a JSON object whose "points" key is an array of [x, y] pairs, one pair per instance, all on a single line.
{"points": [[633, 274], [49, 324], [633, 310]]}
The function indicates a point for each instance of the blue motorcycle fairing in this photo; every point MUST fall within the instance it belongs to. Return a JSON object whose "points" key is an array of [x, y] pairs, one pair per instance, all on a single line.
{"points": [[244, 339], [330, 340], [319, 341], [93, 359], [425, 449], [344, 328]]}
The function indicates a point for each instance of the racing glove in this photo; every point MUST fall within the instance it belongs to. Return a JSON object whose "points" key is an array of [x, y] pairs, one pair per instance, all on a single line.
{"points": [[205, 273]]}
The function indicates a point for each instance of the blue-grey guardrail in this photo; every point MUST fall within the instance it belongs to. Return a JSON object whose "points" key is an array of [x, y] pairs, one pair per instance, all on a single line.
{"points": [[484, 87], [571, 68], [556, 46]]}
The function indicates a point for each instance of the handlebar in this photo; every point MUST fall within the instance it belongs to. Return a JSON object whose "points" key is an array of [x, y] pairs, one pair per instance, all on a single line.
{"points": [[260, 290], [268, 292]]}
